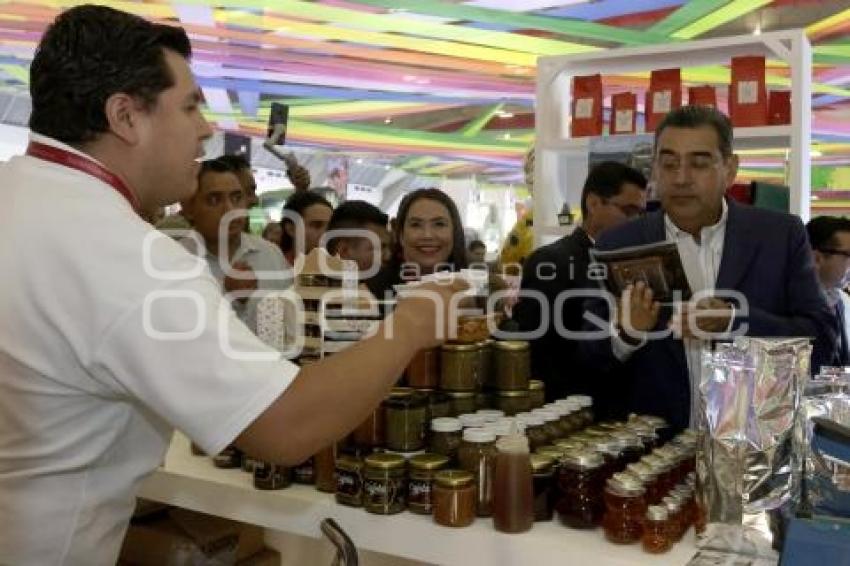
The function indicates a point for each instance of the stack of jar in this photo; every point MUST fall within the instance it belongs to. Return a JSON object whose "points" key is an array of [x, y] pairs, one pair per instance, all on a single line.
{"points": [[616, 475]]}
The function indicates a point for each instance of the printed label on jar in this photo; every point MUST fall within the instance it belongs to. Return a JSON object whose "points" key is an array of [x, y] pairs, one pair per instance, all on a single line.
{"points": [[382, 492], [419, 494], [348, 484], [270, 476], [304, 474]]}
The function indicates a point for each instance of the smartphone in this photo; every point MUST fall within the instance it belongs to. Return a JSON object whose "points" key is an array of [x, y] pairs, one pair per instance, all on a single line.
{"points": [[279, 116]]}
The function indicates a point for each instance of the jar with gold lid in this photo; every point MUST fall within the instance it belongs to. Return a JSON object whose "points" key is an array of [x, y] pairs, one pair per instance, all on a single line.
{"points": [[384, 483], [512, 363], [512, 402], [536, 393], [454, 498], [580, 483], [421, 470], [625, 508], [543, 482], [459, 367], [461, 402], [349, 480]]}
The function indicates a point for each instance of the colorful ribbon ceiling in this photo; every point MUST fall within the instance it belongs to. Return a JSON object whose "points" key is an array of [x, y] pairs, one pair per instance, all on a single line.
{"points": [[445, 87]]}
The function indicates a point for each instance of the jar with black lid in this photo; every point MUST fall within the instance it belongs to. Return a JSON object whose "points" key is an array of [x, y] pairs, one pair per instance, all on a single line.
{"points": [[421, 471], [384, 483], [512, 363]]}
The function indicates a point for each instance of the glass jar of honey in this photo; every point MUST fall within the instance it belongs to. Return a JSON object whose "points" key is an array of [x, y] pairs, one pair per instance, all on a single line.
{"points": [[580, 484], [648, 476], [422, 470], [536, 393], [461, 402], [459, 367], [512, 363], [625, 508], [384, 485], [454, 498], [630, 444], [405, 422], [656, 530], [349, 481], [677, 521], [543, 481], [477, 455], [445, 437]]}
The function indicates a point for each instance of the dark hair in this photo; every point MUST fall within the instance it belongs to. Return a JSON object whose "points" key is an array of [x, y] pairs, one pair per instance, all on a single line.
{"points": [[822, 230], [695, 116], [606, 180], [476, 244], [354, 214], [90, 53], [298, 203], [458, 256], [237, 162]]}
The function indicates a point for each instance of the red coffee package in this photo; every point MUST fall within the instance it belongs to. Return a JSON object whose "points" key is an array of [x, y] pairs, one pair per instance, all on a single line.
{"points": [[586, 106], [664, 95], [748, 95], [623, 113], [705, 95], [779, 107]]}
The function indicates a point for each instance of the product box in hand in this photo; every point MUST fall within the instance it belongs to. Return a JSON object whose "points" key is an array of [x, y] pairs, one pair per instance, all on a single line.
{"points": [[586, 107], [623, 113], [657, 265], [748, 94], [705, 95], [664, 95]]}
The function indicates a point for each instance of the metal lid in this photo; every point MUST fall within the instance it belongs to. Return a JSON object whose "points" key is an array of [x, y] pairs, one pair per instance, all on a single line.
{"points": [[428, 461], [625, 484], [581, 400], [530, 420], [657, 513], [446, 424], [656, 462], [536, 385], [569, 444], [401, 392], [349, 463], [542, 464], [627, 439], [510, 345], [453, 478], [490, 414], [385, 460], [605, 445], [644, 472], [559, 410], [460, 394], [610, 426], [673, 503], [478, 435], [547, 416], [471, 420], [582, 460], [519, 393], [457, 347], [595, 433]]}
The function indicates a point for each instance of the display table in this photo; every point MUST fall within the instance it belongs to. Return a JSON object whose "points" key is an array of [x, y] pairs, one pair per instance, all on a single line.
{"points": [[194, 483]]}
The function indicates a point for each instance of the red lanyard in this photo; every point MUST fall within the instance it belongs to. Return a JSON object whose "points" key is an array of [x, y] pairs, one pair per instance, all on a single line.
{"points": [[74, 161]]}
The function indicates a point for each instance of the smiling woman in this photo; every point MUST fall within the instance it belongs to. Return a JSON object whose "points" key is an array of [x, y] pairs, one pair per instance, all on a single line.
{"points": [[430, 234]]}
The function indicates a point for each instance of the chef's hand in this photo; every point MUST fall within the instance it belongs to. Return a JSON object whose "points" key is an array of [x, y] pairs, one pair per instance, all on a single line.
{"points": [[709, 315], [425, 314], [637, 310]]}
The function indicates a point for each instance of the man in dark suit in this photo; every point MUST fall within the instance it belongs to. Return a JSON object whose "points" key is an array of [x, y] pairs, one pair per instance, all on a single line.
{"points": [[753, 268], [612, 194], [829, 237]]}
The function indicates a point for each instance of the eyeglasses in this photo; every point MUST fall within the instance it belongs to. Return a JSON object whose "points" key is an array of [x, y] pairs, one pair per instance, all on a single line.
{"points": [[831, 251]]}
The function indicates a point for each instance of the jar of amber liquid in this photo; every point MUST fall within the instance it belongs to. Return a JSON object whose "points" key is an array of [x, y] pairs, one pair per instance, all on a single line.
{"points": [[656, 530], [405, 420], [625, 508], [536, 394], [459, 367], [384, 483], [421, 470], [512, 363], [580, 485], [461, 402], [543, 482], [512, 402], [677, 522], [423, 371], [486, 378], [271, 476], [445, 437], [325, 464], [648, 476], [349, 481], [454, 498], [477, 455]]}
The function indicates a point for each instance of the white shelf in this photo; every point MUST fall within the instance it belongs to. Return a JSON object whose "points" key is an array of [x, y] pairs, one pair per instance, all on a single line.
{"points": [[194, 483], [762, 137]]}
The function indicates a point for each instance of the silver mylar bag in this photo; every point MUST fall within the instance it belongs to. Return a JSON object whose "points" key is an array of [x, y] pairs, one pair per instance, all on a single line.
{"points": [[749, 400]]}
